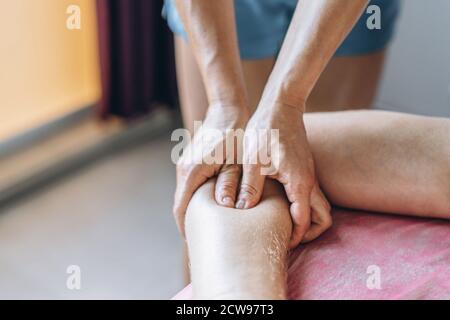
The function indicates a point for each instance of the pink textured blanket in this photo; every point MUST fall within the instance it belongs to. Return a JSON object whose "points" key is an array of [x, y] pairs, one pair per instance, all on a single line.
{"points": [[371, 256]]}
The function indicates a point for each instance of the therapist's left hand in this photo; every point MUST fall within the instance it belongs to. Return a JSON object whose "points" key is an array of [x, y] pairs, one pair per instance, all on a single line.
{"points": [[292, 165]]}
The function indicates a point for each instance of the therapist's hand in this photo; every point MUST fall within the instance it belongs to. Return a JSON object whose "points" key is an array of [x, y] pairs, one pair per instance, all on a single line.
{"points": [[292, 165], [206, 157]]}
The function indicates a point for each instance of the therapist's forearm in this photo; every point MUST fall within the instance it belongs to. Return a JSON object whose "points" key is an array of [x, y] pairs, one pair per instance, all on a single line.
{"points": [[211, 30], [316, 31]]}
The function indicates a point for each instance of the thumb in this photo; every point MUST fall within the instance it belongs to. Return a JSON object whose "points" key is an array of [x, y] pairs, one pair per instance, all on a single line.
{"points": [[226, 185], [251, 188]]}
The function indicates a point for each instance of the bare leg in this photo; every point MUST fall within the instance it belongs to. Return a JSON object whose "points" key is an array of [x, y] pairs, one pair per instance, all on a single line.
{"points": [[383, 161], [347, 83], [371, 160], [236, 254]]}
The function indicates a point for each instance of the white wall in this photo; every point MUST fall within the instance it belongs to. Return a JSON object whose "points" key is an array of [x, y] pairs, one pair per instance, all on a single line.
{"points": [[417, 73]]}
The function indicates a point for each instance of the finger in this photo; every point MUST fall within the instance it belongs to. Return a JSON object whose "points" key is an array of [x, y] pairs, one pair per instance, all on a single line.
{"points": [[321, 219], [251, 188], [301, 221], [299, 196], [187, 184], [227, 184], [315, 229]]}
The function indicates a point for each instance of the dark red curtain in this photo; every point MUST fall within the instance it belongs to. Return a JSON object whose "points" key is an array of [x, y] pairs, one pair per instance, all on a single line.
{"points": [[136, 57]]}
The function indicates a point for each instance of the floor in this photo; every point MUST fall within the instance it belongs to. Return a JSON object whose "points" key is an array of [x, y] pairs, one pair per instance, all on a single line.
{"points": [[112, 219]]}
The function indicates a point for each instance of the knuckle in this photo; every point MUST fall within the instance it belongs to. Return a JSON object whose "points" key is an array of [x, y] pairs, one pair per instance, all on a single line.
{"points": [[295, 177], [296, 188], [231, 169], [251, 167], [226, 188], [325, 207], [307, 180], [247, 190], [327, 222], [298, 185]]}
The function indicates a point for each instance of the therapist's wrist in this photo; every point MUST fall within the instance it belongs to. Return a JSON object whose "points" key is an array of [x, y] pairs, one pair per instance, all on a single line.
{"points": [[237, 99], [282, 98], [229, 103], [283, 104], [237, 109], [227, 92]]}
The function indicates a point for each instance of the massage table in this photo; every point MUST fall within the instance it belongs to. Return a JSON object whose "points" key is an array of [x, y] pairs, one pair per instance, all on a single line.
{"points": [[371, 256]]}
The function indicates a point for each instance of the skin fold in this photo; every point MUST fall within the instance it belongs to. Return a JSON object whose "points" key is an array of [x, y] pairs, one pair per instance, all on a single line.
{"points": [[401, 166]]}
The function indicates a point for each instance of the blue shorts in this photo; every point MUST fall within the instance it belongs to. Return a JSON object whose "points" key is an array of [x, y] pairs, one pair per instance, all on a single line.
{"points": [[262, 25]]}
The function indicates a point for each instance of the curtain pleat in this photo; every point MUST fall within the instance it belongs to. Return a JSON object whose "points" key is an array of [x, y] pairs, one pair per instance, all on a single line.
{"points": [[136, 57]]}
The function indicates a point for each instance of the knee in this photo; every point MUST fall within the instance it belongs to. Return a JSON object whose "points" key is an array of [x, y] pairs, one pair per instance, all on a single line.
{"points": [[268, 219]]}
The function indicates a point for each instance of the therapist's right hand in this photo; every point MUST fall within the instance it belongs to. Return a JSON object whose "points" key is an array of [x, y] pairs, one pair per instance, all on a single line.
{"points": [[195, 167]]}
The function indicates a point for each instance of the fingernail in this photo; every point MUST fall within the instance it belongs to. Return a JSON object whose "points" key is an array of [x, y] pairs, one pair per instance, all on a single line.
{"points": [[227, 201], [240, 204]]}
